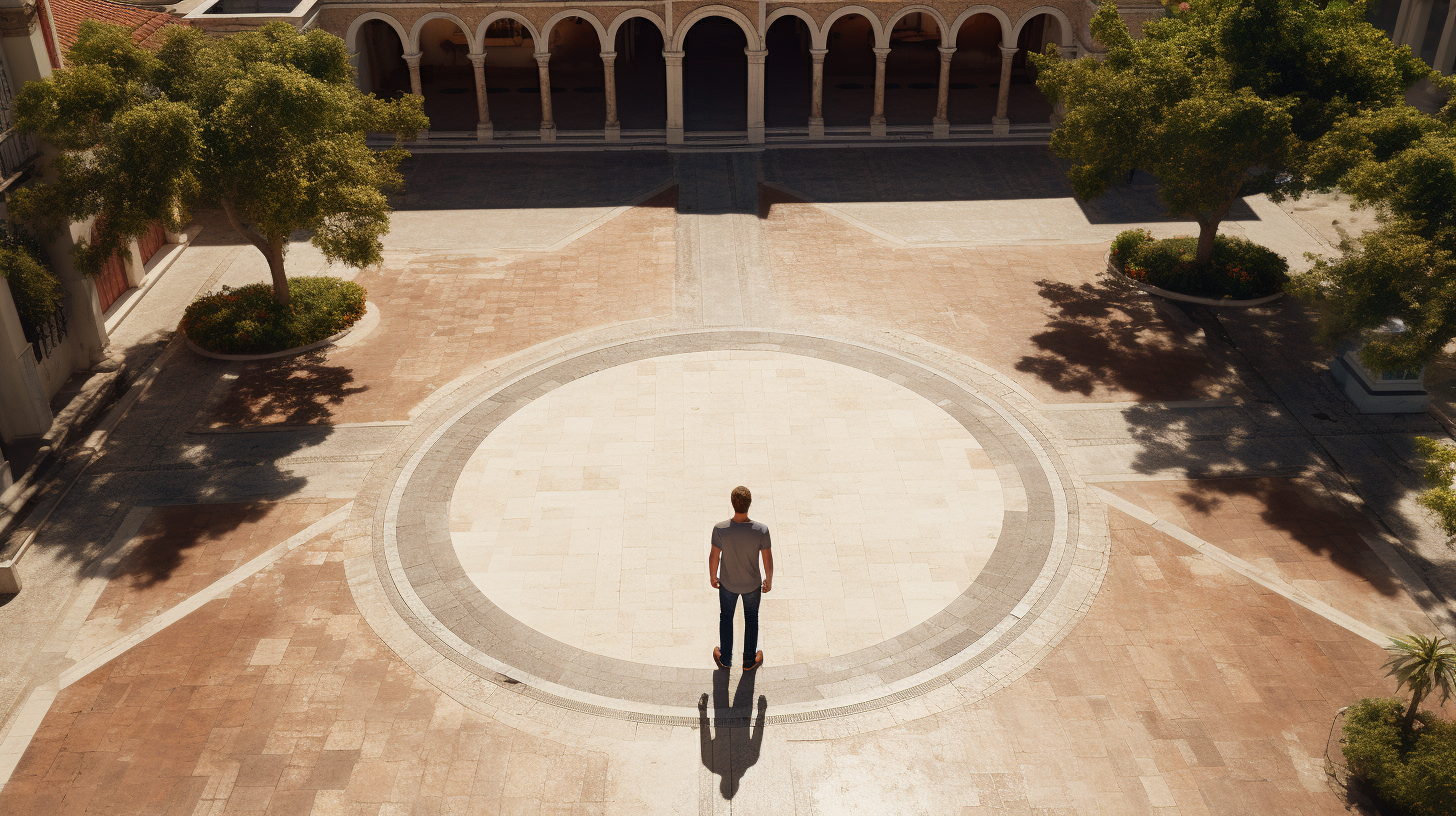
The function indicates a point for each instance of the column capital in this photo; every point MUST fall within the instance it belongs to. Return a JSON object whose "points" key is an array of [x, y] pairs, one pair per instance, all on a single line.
{"points": [[478, 60], [608, 56], [413, 60], [881, 53], [818, 53], [673, 57], [946, 51], [756, 55], [1008, 51], [542, 59], [18, 21], [1069, 52]]}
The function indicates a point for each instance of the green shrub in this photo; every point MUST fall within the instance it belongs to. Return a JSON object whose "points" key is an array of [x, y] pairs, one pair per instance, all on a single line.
{"points": [[35, 289], [247, 320], [1411, 773], [1241, 269]]}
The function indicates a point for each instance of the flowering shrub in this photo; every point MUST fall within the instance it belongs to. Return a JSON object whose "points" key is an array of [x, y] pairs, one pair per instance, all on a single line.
{"points": [[247, 320], [1241, 269]]}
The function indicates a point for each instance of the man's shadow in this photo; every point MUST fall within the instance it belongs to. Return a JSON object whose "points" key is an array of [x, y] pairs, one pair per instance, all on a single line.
{"points": [[733, 749]]}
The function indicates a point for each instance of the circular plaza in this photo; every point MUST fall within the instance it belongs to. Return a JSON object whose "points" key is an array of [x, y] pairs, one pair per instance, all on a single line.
{"points": [[545, 530]]}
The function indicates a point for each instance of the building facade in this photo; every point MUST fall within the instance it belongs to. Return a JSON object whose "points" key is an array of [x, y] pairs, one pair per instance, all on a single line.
{"points": [[750, 72]]}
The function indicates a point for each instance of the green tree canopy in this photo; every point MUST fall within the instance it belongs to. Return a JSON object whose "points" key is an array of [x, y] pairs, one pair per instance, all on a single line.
{"points": [[1403, 163], [266, 124], [1219, 99]]}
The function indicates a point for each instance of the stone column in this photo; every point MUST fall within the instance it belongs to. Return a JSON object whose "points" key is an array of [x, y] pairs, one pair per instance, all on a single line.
{"points": [[413, 61], [1445, 61], [674, 60], [816, 98], [940, 126], [877, 120], [1411, 22], [755, 94], [609, 84], [416, 86], [548, 125], [1001, 126], [483, 129]]}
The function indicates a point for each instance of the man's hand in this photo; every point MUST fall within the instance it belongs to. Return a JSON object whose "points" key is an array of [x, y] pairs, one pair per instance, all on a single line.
{"points": [[714, 555], [713, 579], [767, 584]]}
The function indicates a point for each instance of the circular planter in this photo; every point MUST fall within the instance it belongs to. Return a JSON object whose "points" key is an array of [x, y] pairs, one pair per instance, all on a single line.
{"points": [[356, 332], [1201, 301]]}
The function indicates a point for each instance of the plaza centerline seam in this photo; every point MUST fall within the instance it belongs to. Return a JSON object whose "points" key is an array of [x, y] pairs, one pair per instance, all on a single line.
{"points": [[1244, 568]]}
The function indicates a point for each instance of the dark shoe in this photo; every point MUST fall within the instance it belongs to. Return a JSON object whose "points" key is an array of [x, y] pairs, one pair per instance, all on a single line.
{"points": [[718, 657], [757, 661]]}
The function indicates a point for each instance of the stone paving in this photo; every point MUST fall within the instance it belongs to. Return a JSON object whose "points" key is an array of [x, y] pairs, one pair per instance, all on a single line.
{"points": [[455, 566]]}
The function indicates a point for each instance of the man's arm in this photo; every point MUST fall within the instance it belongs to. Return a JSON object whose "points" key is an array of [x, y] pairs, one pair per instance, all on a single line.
{"points": [[713, 555], [767, 569]]}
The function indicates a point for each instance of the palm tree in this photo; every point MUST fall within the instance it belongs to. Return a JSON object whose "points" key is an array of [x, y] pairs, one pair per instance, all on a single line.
{"points": [[1423, 664]]}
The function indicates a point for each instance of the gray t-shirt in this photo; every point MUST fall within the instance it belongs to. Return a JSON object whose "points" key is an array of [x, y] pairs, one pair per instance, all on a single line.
{"points": [[740, 542]]}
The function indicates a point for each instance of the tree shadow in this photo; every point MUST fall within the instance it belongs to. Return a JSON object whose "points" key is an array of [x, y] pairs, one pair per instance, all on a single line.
{"points": [[1098, 337], [734, 748], [163, 542], [155, 458], [298, 390]]}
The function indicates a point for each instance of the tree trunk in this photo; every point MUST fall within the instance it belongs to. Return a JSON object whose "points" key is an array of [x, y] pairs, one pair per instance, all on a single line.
{"points": [[1207, 230], [275, 268], [272, 249], [1410, 713]]}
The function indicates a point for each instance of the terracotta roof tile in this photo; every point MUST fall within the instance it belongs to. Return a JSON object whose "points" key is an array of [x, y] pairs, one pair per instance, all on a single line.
{"points": [[145, 24]]}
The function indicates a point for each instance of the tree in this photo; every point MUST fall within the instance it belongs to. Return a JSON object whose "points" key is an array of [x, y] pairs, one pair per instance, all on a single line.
{"points": [[1219, 99], [266, 124], [1423, 664], [1403, 163]]}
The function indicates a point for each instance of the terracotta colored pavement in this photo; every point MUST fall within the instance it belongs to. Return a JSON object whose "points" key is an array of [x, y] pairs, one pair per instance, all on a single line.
{"points": [[277, 698], [1290, 529], [1185, 687], [180, 550], [442, 315], [1038, 314]]}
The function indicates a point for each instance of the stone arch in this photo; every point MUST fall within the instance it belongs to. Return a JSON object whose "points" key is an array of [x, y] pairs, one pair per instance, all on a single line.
{"points": [[1063, 23], [790, 11], [621, 19], [680, 36], [542, 45], [883, 36], [1008, 33], [507, 15], [845, 11], [358, 23], [413, 43]]}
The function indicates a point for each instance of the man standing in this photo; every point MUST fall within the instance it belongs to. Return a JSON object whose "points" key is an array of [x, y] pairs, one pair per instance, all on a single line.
{"points": [[733, 571]]}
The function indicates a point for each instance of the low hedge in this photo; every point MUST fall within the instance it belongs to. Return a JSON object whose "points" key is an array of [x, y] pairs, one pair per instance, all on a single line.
{"points": [[1241, 269], [247, 320], [1411, 773]]}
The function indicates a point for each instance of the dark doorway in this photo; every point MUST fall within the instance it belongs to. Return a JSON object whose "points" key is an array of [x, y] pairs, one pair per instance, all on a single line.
{"points": [[578, 93], [849, 73], [788, 74], [912, 72], [382, 69], [715, 77], [975, 71], [641, 76]]}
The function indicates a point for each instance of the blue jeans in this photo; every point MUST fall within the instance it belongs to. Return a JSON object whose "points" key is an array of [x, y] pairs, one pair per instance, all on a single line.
{"points": [[727, 606]]}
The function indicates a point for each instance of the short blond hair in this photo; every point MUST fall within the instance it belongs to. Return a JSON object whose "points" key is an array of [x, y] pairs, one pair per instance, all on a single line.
{"points": [[741, 498]]}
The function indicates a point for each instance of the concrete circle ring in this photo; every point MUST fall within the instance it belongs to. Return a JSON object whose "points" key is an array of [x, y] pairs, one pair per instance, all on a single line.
{"points": [[406, 574]]}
